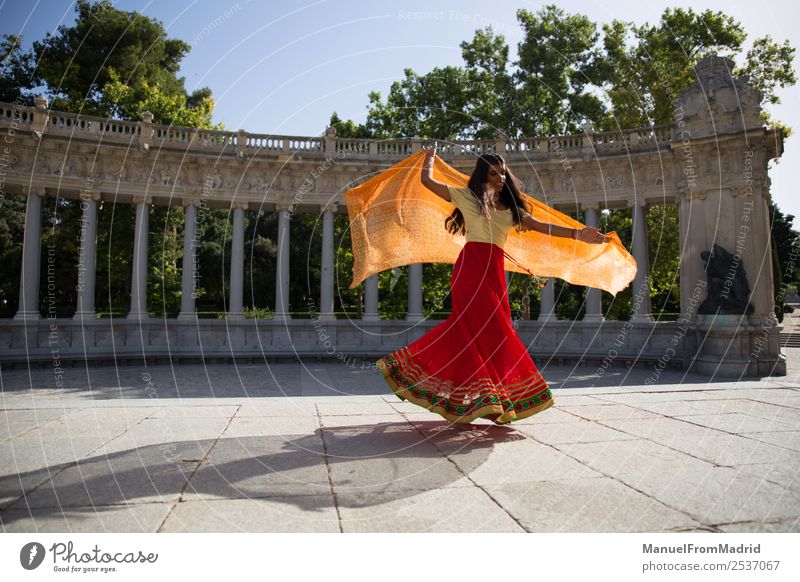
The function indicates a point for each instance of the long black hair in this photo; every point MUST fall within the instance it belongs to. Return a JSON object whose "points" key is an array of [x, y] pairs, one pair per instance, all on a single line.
{"points": [[510, 195]]}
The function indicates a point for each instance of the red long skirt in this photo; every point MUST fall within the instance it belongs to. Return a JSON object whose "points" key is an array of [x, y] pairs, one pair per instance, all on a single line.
{"points": [[473, 364]]}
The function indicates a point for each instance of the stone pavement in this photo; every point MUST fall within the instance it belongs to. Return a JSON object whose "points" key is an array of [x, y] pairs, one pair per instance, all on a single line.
{"points": [[324, 447]]}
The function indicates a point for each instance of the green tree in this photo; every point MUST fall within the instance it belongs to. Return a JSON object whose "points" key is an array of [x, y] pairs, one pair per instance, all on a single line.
{"points": [[348, 300], [556, 66], [16, 71], [108, 62], [115, 228], [165, 252], [644, 68], [490, 88], [436, 300], [12, 227], [79, 60], [431, 105], [785, 244], [128, 101], [769, 66], [348, 128], [663, 242], [261, 251]]}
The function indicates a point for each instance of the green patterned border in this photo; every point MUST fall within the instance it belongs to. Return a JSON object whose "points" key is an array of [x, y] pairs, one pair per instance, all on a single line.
{"points": [[487, 405]]}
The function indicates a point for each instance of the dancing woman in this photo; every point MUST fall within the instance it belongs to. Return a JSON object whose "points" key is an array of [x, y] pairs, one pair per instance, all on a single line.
{"points": [[474, 365]]}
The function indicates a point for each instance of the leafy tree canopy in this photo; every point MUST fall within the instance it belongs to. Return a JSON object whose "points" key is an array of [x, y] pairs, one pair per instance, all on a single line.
{"points": [[568, 73]]}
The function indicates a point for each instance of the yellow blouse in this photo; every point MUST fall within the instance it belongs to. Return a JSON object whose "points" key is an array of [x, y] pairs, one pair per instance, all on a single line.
{"points": [[478, 228]]}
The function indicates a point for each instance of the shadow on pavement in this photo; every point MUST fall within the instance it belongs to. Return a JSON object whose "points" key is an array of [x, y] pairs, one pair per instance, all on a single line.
{"points": [[369, 464]]}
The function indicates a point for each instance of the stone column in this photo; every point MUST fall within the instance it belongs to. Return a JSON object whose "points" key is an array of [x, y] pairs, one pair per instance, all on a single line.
{"points": [[87, 257], [758, 250], [282, 267], [414, 292], [641, 284], [139, 277], [189, 274], [31, 257], [237, 263], [691, 242], [594, 301], [547, 310], [371, 299], [326, 283]]}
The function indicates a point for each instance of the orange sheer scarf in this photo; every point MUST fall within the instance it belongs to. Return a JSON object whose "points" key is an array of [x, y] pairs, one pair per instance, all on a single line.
{"points": [[396, 221]]}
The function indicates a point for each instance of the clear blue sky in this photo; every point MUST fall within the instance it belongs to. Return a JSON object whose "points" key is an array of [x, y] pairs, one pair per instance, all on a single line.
{"points": [[283, 67]]}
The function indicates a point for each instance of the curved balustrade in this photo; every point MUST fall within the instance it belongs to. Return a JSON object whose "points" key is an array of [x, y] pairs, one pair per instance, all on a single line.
{"points": [[393, 148], [12, 114], [215, 139], [353, 146], [176, 135], [228, 142], [72, 123], [268, 143], [120, 128], [305, 144]]}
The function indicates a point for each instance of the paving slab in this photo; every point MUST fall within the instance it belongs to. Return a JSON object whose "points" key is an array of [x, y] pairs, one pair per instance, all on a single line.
{"points": [[16, 484], [15, 428], [783, 474], [278, 406], [775, 526], [140, 475], [355, 408], [256, 467], [304, 513], [717, 495], [587, 505], [604, 411], [31, 451], [198, 411], [580, 431], [414, 466], [286, 426], [719, 447], [141, 518], [521, 461], [623, 459], [735, 422], [552, 415], [437, 510], [786, 439]]}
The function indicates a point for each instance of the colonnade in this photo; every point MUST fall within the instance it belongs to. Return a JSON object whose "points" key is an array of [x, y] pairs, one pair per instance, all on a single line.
{"points": [[29, 280]]}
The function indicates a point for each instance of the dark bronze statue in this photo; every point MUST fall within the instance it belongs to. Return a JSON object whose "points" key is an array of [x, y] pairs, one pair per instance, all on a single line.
{"points": [[728, 289]]}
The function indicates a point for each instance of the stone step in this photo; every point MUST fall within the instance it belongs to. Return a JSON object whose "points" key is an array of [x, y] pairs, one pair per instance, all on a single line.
{"points": [[790, 340]]}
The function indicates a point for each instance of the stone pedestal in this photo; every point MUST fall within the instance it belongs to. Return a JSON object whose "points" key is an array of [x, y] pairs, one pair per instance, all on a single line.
{"points": [[730, 347]]}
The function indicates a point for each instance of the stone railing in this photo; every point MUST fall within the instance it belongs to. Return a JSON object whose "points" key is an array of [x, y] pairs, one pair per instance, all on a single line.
{"points": [[66, 341], [242, 143]]}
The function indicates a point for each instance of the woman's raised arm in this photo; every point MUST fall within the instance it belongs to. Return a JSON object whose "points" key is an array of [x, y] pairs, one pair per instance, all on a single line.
{"points": [[427, 174]]}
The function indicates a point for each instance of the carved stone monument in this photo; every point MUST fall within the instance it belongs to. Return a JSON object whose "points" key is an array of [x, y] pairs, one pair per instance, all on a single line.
{"points": [[721, 152]]}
